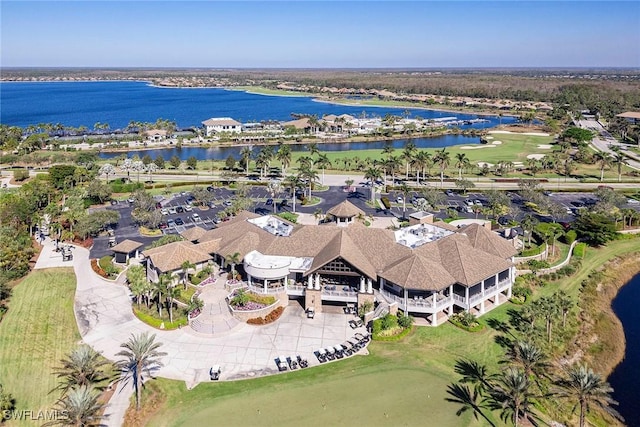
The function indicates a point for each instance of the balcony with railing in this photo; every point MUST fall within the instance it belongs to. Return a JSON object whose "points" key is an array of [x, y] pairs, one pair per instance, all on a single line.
{"points": [[339, 293], [420, 304], [270, 290]]}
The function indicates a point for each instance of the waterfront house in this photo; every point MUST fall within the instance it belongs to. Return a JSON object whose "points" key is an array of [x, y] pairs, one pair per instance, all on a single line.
{"points": [[221, 124]]}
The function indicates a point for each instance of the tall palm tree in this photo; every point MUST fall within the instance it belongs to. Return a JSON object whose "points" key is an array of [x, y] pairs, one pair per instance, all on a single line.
{"points": [[80, 406], [408, 154], [284, 156], [186, 266], [603, 160], [529, 357], [418, 163], [618, 160], [312, 147], [442, 158], [469, 399], [305, 161], [388, 150], [82, 367], [405, 190], [462, 162], [293, 182], [245, 157], [233, 259], [141, 356], [372, 174], [160, 288], [323, 162], [584, 387], [512, 396], [171, 293], [309, 176]]}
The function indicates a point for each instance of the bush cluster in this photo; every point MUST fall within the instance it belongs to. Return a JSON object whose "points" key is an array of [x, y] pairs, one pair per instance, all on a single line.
{"points": [[269, 318], [385, 202]]}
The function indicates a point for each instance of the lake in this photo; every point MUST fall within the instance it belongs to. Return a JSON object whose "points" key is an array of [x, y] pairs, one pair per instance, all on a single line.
{"points": [[120, 102], [221, 153], [625, 379]]}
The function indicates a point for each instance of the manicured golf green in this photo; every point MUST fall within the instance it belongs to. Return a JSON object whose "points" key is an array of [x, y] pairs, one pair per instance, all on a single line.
{"points": [[397, 384], [38, 330]]}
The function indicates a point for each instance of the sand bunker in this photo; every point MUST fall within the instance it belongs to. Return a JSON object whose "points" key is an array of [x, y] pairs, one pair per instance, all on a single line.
{"points": [[536, 156], [520, 133], [496, 143], [488, 137], [475, 147], [544, 146], [481, 164]]}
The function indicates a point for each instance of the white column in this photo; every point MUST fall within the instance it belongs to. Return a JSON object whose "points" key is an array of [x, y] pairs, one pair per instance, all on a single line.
{"points": [[265, 285], [406, 300], [317, 281], [249, 279], [310, 281], [369, 286], [285, 281], [362, 290], [434, 300], [497, 276], [434, 319], [450, 310], [466, 297]]}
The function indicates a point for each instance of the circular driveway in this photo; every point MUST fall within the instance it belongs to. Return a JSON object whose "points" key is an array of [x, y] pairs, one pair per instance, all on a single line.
{"points": [[105, 320]]}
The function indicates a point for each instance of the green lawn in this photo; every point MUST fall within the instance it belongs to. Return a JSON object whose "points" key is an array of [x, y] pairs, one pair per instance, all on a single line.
{"points": [[38, 330], [398, 384]]}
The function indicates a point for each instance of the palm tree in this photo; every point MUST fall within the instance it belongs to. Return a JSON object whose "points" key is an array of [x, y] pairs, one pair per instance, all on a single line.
{"points": [[141, 355], [293, 182], [186, 266], [80, 406], [323, 162], [309, 176], [171, 293], [564, 303], [233, 259], [511, 395], [284, 155], [462, 162], [469, 399], [405, 190], [372, 174], [388, 150], [418, 163], [618, 160], [408, 154], [107, 169], [584, 387], [603, 160], [160, 288], [305, 161], [443, 159], [82, 367], [312, 147], [245, 157], [529, 357]]}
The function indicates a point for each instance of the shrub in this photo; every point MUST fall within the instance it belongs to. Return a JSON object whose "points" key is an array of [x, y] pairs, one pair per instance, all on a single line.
{"points": [[364, 308], [405, 321], [570, 236], [96, 268], [289, 216], [20, 174], [105, 262], [536, 250], [466, 321], [389, 321], [579, 250], [269, 318]]}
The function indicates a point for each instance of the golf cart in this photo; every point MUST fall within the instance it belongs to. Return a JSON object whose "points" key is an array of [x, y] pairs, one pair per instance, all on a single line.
{"points": [[214, 372]]}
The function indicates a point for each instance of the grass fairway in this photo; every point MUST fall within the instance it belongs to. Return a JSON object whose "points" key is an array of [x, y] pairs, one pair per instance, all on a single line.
{"points": [[37, 331], [398, 384]]}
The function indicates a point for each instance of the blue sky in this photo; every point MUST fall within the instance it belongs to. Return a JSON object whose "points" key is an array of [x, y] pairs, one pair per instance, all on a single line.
{"points": [[325, 34]]}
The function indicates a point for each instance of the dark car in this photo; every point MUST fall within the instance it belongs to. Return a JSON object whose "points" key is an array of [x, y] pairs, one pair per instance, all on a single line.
{"points": [[269, 202], [179, 221], [179, 209], [210, 189]]}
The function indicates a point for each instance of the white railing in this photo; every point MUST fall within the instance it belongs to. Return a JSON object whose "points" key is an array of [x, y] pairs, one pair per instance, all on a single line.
{"points": [[261, 289], [459, 299], [339, 293]]}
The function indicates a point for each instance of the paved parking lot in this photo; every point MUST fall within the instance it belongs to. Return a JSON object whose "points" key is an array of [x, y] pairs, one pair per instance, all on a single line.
{"points": [[208, 217]]}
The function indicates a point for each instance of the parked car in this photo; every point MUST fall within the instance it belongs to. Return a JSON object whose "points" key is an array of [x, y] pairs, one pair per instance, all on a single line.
{"points": [[179, 221], [216, 220], [449, 193], [172, 210], [399, 199], [179, 209], [162, 225], [164, 211], [171, 223], [195, 217], [187, 208], [269, 201]]}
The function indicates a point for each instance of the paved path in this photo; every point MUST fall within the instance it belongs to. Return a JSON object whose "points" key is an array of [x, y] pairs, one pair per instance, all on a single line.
{"points": [[603, 141], [105, 320]]}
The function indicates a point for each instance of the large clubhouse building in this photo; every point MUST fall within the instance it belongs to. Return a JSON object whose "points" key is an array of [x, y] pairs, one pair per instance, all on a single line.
{"points": [[429, 270]]}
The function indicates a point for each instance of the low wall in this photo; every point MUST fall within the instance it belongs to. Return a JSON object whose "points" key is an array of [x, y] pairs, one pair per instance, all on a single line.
{"points": [[553, 268], [244, 315], [542, 255]]}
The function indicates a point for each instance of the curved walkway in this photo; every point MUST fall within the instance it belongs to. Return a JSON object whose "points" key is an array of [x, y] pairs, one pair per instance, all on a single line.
{"points": [[105, 320]]}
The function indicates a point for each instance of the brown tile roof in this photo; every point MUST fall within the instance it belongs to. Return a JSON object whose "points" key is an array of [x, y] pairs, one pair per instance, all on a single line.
{"points": [[170, 257], [126, 246], [464, 262], [418, 272], [238, 235], [343, 246], [302, 123], [193, 234], [488, 241], [210, 246], [345, 209], [445, 225], [630, 115]]}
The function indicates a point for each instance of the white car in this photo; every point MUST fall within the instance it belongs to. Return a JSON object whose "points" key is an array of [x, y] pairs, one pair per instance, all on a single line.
{"points": [[172, 210], [399, 199], [164, 211], [195, 217], [188, 208], [633, 202]]}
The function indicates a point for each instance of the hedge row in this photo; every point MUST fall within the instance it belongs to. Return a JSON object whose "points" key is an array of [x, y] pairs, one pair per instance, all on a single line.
{"points": [[96, 268]]}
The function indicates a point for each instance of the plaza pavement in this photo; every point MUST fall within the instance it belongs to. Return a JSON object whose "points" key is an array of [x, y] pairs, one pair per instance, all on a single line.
{"points": [[105, 320]]}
